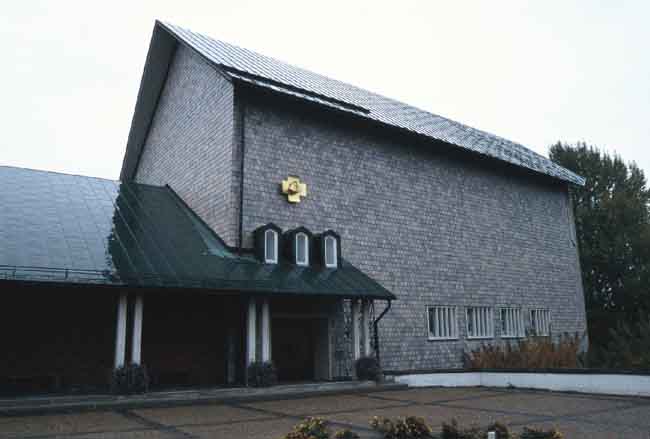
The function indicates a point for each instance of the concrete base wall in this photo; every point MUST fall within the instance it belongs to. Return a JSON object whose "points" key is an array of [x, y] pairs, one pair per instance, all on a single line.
{"points": [[608, 384]]}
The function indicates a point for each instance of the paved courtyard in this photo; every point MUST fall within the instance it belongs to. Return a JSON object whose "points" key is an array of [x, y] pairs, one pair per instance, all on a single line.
{"points": [[577, 416]]}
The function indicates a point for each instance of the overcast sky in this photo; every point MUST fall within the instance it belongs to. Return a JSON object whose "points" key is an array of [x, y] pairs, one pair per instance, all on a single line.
{"points": [[533, 72]]}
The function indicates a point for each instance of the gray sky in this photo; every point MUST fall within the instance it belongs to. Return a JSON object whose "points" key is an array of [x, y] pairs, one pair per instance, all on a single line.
{"points": [[533, 72]]}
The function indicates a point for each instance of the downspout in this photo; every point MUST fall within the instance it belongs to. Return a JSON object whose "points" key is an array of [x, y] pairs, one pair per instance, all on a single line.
{"points": [[240, 111], [375, 325]]}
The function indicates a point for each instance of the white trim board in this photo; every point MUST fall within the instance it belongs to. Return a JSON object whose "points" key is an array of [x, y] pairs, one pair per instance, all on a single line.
{"points": [[607, 384]]}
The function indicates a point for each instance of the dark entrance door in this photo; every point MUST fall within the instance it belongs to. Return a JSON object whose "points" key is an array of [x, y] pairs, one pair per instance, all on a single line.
{"points": [[185, 339], [293, 349]]}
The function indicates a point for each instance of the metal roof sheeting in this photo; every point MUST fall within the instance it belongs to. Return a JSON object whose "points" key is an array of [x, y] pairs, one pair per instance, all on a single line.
{"points": [[267, 72], [67, 228]]}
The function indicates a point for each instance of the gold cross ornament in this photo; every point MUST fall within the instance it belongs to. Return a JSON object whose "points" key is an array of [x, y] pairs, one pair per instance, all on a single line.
{"points": [[294, 189]]}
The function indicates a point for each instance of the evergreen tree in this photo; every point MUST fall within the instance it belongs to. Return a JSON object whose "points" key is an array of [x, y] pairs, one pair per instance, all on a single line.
{"points": [[612, 213]]}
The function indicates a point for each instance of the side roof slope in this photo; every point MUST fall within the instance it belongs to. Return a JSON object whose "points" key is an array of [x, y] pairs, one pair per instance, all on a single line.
{"points": [[245, 65], [83, 230]]}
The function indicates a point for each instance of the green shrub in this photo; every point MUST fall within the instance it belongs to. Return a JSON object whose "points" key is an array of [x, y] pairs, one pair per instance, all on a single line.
{"points": [[535, 433], [453, 431], [500, 429], [410, 427], [346, 434], [130, 379], [310, 428], [528, 353], [367, 368], [262, 374]]}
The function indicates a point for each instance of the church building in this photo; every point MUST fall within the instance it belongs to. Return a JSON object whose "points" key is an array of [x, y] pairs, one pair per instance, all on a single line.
{"points": [[268, 213]]}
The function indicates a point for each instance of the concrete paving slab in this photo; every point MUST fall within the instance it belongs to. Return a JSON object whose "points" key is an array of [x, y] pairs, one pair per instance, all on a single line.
{"points": [[433, 415], [578, 430], [204, 414], [540, 404], [577, 416], [269, 429], [146, 434], [434, 394], [65, 424], [322, 405], [639, 416]]}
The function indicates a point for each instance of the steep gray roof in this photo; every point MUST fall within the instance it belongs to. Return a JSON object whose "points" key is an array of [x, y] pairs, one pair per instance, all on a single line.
{"points": [[263, 71]]}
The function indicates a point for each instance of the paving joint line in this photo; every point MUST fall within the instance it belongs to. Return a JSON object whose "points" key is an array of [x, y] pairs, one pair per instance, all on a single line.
{"points": [[154, 425], [300, 417], [78, 433]]}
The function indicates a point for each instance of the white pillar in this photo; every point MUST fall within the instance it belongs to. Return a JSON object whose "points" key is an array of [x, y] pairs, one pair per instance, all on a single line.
{"points": [[266, 331], [136, 337], [250, 333], [356, 336], [365, 326], [120, 332]]}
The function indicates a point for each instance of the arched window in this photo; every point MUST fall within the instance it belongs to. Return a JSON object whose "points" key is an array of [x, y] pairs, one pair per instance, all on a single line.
{"points": [[271, 246], [330, 252], [302, 249]]}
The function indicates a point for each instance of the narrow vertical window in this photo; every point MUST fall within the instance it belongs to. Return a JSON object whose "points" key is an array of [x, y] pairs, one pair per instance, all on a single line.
{"points": [[540, 322], [330, 252], [442, 323], [512, 324], [479, 322], [302, 249], [271, 247]]}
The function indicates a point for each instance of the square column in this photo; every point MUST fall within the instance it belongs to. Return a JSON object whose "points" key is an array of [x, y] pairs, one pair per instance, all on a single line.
{"points": [[250, 331], [266, 330], [136, 335], [120, 332], [356, 336], [365, 326]]}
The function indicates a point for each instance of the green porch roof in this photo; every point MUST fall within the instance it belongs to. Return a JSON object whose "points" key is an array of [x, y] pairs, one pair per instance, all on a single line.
{"points": [[73, 229]]}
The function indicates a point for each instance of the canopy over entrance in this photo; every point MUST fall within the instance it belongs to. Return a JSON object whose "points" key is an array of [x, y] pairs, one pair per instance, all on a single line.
{"points": [[74, 229]]}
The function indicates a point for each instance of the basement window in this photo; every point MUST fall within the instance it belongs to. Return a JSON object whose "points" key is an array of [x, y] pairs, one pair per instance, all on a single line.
{"points": [[302, 249], [271, 247], [480, 323], [512, 323], [330, 252], [443, 323], [540, 322]]}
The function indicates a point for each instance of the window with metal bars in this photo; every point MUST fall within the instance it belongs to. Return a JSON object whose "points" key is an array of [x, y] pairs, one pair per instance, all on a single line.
{"points": [[443, 323], [480, 322], [540, 322], [512, 323]]}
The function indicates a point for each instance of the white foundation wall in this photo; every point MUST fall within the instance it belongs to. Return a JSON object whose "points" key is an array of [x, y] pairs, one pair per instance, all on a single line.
{"points": [[609, 384]]}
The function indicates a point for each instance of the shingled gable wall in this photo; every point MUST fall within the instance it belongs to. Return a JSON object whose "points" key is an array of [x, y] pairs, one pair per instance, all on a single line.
{"points": [[190, 142], [432, 228]]}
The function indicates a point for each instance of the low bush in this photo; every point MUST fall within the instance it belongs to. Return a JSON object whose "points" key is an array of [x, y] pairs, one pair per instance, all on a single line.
{"points": [[346, 434], [528, 353], [453, 431], [500, 429], [310, 428], [367, 368], [262, 374], [130, 379], [535, 433], [410, 427]]}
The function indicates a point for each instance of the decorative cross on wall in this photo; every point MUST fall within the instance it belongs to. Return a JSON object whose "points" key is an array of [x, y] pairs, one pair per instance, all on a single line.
{"points": [[294, 189]]}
